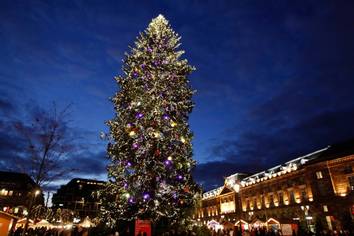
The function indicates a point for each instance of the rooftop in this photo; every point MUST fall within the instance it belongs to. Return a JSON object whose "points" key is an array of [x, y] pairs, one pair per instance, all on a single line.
{"points": [[327, 153]]}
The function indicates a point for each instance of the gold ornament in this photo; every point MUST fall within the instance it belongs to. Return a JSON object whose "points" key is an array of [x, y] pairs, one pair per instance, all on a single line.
{"points": [[183, 140], [132, 133], [179, 166], [157, 134], [173, 124]]}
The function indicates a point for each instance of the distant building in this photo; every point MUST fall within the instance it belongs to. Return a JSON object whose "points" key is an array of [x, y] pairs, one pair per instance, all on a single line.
{"points": [[315, 187], [17, 190], [80, 196]]}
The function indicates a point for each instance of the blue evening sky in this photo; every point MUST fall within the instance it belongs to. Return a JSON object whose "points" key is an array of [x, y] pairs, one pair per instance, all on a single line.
{"points": [[275, 79]]}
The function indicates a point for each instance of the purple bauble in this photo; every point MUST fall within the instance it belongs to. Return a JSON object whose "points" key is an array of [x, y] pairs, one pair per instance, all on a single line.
{"points": [[146, 196], [139, 115], [180, 177], [156, 63]]}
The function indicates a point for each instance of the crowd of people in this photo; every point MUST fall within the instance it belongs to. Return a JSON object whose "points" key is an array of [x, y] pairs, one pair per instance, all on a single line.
{"points": [[196, 231], [274, 232], [43, 231], [254, 232]]}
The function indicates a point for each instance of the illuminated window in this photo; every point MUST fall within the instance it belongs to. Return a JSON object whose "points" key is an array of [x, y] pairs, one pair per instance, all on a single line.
{"points": [[325, 208], [319, 175], [4, 192]]}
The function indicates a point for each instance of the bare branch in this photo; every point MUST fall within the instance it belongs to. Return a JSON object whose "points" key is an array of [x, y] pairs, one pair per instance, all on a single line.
{"points": [[49, 142]]}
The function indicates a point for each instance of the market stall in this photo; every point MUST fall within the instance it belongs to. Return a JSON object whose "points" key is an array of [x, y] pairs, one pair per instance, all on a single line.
{"points": [[242, 224]]}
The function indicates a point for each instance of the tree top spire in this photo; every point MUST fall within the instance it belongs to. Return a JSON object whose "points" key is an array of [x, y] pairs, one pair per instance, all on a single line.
{"points": [[158, 23], [161, 19]]}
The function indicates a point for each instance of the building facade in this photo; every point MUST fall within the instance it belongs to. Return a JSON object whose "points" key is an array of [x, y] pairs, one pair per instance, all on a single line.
{"points": [[17, 191], [318, 187], [79, 195]]}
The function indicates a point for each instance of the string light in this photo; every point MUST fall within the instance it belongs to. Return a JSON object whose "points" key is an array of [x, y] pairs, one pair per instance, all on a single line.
{"points": [[132, 133], [183, 140]]}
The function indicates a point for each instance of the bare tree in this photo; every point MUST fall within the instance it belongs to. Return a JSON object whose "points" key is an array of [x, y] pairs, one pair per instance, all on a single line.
{"points": [[48, 142]]}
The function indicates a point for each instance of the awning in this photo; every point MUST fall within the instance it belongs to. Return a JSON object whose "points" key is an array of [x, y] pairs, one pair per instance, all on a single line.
{"points": [[240, 221]]}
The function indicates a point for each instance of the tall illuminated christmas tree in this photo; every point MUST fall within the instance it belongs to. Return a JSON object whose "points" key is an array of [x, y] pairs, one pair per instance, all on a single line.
{"points": [[150, 140]]}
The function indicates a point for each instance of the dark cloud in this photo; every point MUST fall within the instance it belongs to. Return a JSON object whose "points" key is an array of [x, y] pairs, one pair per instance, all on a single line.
{"points": [[86, 156], [6, 106], [87, 163], [274, 143], [277, 142]]}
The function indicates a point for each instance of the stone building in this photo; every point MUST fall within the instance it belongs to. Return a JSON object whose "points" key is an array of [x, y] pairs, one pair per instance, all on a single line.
{"points": [[315, 187], [17, 191], [79, 195]]}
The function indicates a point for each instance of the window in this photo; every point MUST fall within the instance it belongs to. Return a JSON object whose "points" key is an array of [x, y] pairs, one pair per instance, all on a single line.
{"points": [[351, 183], [319, 175], [323, 188], [4, 192], [325, 208], [348, 170]]}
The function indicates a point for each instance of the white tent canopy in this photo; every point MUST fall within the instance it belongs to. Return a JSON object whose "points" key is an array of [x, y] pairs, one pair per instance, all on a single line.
{"points": [[43, 223], [87, 223]]}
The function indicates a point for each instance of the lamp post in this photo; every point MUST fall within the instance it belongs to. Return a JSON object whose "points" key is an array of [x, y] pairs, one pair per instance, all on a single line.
{"points": [[30, 207], [305, 209]]}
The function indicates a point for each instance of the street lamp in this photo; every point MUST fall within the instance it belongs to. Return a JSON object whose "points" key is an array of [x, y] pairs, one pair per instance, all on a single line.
{"points": [[30, 206], [305, 209]]}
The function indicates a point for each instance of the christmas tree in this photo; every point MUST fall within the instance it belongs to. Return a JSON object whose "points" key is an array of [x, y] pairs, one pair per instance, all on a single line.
{"points": [[150, 140]]}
